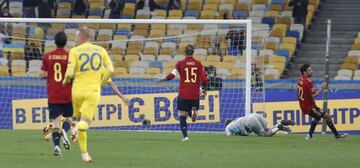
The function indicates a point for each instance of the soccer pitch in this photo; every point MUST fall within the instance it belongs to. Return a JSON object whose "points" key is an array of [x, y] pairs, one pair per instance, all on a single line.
{"points": [[26, 149]]}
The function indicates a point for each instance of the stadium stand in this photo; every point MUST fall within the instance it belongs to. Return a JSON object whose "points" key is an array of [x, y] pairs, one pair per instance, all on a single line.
{"points": [[275, 15], [343, 63]]}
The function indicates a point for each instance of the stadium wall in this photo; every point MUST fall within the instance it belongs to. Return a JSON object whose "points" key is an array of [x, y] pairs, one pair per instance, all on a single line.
{"points": [[24, 106]]}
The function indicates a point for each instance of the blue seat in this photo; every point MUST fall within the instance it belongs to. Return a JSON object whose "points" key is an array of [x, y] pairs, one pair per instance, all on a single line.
{"points": [[95, 12], [284, 53], [130, 1], [122, 32], [268, 20], [266, 9], [234, 51], [126, 17], [49, 37], [65, 1], [193, 13], [240, 14], [278, 2], [156, 64], [168, 39], [72, 25], [295, 34]]}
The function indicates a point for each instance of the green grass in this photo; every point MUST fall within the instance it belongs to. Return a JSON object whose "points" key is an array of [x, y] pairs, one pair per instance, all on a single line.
{"points": [[26, 149]]}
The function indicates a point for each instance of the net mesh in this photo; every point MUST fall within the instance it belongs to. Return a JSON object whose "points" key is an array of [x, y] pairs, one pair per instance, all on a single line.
{"points": [[140, 53]]}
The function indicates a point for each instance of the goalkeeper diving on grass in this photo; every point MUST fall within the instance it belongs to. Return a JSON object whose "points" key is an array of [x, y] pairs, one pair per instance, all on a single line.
{"points": [[255, 123]]}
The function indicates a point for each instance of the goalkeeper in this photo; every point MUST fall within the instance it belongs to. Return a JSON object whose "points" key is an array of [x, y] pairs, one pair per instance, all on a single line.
{"points": [[254, 123]]}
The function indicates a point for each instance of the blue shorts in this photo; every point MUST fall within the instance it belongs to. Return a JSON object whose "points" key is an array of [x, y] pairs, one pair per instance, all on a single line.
{"points": [[66, 110], [186, 105]]}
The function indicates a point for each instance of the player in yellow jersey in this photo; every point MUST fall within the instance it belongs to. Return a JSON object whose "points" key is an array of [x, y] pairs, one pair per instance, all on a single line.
{"points": [[90, 68]]}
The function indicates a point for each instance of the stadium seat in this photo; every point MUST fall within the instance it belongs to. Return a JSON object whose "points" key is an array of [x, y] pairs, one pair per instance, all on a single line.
{"points": [[120, 70], [287, 46], [4, 70], [228, 58], [156, 64], [147, 57], [201, 58], [351, 59], [159, 12], [345, 72], [192, 13], [268, 20], [240, 14], [200, 51], [141, 64], [95, 12], [168, 48], [272, 74], [207, 14], [178, 57], [350, 66], [194, 5], [142, 14], [271, 14], [299, 28], [213, 58], [211, 6], [164, 58], [136, 70], [291, 40], [342, 78], [266, 52], [355, 46], [132, 57], [285, 53], [354, 53], [226, 8], [125, 27], [153, 71], [237, 73], [271, 46], [129, 10], [256, 13], [122, 32], [278, 32], [295, 34], [158, 27], [222, 72], [242, 7], [175, 14], [151, 48]]}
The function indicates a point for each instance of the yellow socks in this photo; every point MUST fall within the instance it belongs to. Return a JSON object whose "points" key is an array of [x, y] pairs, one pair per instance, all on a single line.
{"points": [[82, 136]]}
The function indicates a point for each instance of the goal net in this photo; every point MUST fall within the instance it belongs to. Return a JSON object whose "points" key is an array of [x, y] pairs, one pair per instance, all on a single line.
{"points": [[142, 50]]}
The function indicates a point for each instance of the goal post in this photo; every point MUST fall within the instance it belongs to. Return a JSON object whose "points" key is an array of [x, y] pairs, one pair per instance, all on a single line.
{"points": [[212, 41]]}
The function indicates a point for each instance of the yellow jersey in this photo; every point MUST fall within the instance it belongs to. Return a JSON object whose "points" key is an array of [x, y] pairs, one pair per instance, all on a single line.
{"points": [[90, 67]]}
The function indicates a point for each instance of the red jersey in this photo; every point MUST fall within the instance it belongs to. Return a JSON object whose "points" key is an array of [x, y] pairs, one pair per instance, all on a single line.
{"points": [[191, 73], [55, 64], [305, 92]]}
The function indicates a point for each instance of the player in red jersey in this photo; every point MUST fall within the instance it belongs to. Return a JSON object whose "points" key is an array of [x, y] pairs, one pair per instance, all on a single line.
{"points": [[192, 73], [306, 95], [59, 95]]}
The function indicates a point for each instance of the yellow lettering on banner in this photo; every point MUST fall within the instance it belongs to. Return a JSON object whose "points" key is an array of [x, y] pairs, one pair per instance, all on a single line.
{"points": [[158, 108], [345, 114]]}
